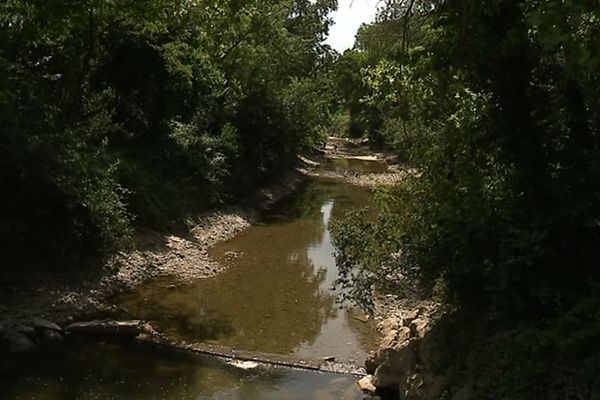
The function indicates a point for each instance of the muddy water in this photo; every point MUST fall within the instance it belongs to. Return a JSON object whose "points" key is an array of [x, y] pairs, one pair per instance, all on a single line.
{"points": [[105, 372], [276, 297], [277, 294]]}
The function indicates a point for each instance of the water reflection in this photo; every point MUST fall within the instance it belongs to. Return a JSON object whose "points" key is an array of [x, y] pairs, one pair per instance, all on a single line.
{"points": [[277, 294], [103, 371]]}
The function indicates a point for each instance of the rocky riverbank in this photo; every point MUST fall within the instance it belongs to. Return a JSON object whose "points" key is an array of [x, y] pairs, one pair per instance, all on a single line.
{"points": [[408, 356], [371, 180]]}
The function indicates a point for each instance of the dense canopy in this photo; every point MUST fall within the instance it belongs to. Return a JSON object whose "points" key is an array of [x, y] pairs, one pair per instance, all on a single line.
{"points": [[118, 115], [496, 107], [121, 112]]}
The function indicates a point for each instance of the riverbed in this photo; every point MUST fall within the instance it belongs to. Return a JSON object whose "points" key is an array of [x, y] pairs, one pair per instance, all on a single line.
{"points": [[277, 295]]}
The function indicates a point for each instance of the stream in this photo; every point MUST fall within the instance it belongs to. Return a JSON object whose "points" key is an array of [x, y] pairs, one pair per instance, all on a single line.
{"points": [[276, 296]]}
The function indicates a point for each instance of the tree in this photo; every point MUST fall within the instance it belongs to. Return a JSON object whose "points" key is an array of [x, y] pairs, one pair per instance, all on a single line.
{"points": [[495, 105], [121, 111]]}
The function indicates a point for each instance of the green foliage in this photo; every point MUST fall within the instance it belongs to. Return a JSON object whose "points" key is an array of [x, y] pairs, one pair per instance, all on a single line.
{"points": [[557, 358], [351, 89], [114, 112], [495, 106]]}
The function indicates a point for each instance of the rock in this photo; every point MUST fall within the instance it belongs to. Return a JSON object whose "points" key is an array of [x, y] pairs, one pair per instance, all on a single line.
{"points": [[389, 324], [419, 327], [362, 318], [386, 377], [389, 340], [231, 254], [329, 358], [393, 366], [408, 316], [366, 384], [246, 365], [51, 337], [19, 343], [426, 309], [42, 324], [147, 329], [403, 335], [403, 359], [108, 327]]}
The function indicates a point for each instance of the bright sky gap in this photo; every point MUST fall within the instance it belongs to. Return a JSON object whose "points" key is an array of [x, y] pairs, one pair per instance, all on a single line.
{"points": [[351, 14]]}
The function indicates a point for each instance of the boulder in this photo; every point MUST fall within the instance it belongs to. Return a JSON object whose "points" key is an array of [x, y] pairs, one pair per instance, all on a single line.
{"points": [[419, 327], [408, 316], [43, 324], [386, 377], [403, 335], [395, 365], [408, 357], [403, 359], [389, 324], [366, 384], [390, 339], [381, 355], [395, 339], [109, 327]]}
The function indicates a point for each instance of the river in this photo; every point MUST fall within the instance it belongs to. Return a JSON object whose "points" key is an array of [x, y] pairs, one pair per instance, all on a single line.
{"points": [[276, 296]]}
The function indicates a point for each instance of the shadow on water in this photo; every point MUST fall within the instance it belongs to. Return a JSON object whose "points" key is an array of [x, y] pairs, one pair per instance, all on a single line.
{"points": [[277, 296], [107, 371]]}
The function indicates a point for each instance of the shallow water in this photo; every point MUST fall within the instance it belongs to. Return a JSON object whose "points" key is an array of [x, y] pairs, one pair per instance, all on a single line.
{"points": [[277, 294], [275, 297], [109, 372]]}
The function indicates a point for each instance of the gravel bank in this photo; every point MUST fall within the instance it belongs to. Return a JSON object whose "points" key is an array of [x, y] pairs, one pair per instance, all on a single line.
{"points": [[183, 256]]}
